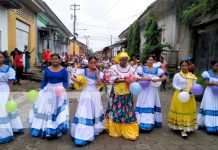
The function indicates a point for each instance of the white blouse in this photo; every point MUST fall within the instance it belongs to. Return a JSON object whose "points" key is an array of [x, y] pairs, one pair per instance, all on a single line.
{"points": [[117, 71], [179, 82]]}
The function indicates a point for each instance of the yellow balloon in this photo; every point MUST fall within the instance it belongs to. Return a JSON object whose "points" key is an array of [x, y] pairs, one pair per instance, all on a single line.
{"points": [[83, 80]]}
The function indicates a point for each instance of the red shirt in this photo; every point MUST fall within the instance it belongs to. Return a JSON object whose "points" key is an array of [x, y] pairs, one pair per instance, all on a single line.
{"points": [[44, 56], [18, 61]]}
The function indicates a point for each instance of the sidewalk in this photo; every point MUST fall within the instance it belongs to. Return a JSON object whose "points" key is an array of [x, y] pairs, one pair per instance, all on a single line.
{"points": [[159, 139]]}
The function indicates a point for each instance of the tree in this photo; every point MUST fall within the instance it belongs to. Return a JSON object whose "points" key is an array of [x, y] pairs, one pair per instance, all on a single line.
{"points": [[133, 45], [152, 45], [199, 8]]}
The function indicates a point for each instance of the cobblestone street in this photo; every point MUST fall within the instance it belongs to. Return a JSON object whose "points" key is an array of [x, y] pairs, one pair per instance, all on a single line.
{"points": [[159, 139]]}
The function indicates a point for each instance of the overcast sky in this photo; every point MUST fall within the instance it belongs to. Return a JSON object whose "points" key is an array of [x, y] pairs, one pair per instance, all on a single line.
{"points": [[100, 18]]}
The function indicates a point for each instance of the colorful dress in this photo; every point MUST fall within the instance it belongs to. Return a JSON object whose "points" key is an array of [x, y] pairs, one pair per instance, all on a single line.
{"points": [[148, 107], [9, 122], [120, 115], [49, 116], [208, 114], [182, 116], [88, 121]]}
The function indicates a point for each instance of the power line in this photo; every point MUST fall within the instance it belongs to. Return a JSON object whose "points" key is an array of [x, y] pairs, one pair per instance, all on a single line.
{"points": [[122, 19], [110, 9], [98, 26]]}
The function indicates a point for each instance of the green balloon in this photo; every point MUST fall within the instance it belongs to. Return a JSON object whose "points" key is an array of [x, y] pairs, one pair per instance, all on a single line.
{"points": [[11, 106], [32, 95]]}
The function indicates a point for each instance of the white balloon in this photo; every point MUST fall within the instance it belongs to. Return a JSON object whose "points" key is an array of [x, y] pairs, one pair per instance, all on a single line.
{"points": [[156, 84], [184, 96]]}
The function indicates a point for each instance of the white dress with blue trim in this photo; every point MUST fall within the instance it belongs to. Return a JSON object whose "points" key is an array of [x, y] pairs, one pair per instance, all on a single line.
{"points": [[148, 107], [49, 116], [208, 113], [89, 118], [9, 122]]}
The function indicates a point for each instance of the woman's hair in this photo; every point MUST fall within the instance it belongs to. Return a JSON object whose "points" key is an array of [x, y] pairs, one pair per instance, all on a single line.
{"points": [[2, 53], [150, 56], [55, 54], [181, 62], [213, 62], [92, 57], [162, 57]]}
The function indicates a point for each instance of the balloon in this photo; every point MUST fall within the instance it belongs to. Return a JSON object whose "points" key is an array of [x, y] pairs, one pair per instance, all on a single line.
{"points": [[32, 95], [144, 83], [197, 89], [11, 106], [98, 66], [184, 96], [135, 88], [156, 84], [215, 90], [83, 80], [101, 66], [59, 90]]}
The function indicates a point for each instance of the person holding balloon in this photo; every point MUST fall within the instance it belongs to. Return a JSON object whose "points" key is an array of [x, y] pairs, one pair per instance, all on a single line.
{"points": [[120, 116], [148, 107], [182, 115], [49, 116], [88, 121], [9, 118], [208, 116]]}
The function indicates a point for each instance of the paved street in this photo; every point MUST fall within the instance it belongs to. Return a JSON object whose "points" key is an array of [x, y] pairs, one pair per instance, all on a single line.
{"points": [[159, 139]]}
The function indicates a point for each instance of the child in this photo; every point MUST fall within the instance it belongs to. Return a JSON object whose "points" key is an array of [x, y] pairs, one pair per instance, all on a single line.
{"points": [[89, 118]]}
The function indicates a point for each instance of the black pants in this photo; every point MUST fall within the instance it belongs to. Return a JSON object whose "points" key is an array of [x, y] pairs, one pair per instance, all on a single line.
{"points": [[19, 73]]}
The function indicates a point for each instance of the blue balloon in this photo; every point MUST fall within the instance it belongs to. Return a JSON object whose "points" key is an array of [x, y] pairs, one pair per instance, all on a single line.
{"points": [[135, 88]]}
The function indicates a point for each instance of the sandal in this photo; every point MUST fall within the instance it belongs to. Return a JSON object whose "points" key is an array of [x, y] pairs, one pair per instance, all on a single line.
{"points": [[184, 134]]}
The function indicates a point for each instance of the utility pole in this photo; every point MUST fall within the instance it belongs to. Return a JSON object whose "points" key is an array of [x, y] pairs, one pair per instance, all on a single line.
{"points": [[111, 39], [74, 7], [87, 42], [88, 52]]}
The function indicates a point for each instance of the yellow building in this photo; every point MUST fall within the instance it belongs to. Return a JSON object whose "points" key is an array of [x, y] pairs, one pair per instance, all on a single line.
{"points": [[80, 48], [22, 27]]}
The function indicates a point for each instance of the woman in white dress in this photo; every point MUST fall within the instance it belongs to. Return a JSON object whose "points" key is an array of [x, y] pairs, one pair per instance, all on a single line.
{"points": [[9, 122], [208, 114], [148, 107], [88, 121], [49, 116]]}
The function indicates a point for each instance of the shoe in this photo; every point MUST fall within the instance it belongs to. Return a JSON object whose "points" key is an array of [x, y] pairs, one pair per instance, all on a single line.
{"points": [[184, 134]]}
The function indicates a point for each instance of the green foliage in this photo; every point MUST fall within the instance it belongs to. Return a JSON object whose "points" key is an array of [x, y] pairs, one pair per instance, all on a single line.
{"points": [[151, 33], [199, 7], [133, 45]]}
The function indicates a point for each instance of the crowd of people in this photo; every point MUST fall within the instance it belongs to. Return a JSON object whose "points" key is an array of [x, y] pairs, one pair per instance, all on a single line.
{"points": [[49, 116]]}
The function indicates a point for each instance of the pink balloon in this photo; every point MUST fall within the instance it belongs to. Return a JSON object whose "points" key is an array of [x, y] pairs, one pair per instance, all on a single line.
{"points": [[59, 90]]}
